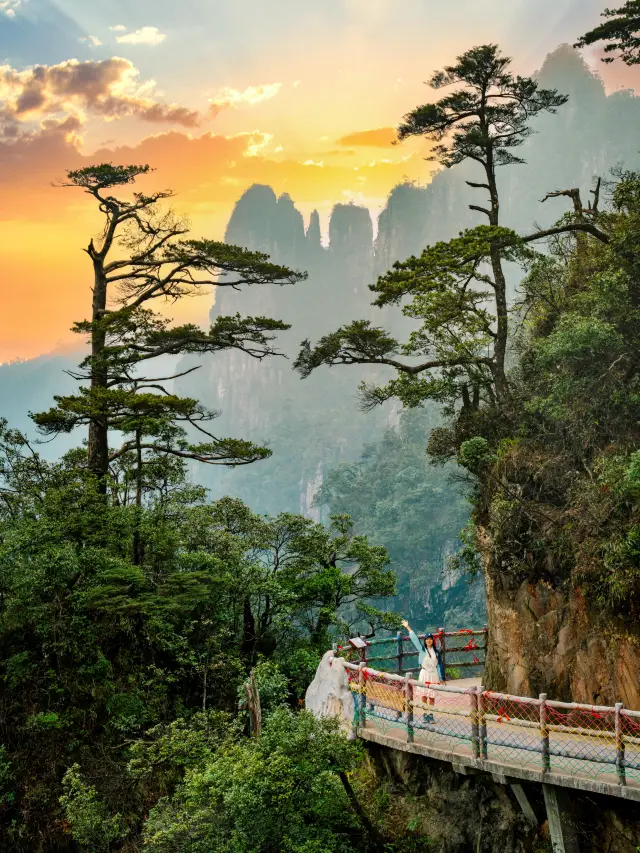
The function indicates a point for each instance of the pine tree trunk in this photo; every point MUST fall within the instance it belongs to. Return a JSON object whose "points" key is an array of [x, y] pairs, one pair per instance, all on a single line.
{"points": [[98, 444], [137, 538]]}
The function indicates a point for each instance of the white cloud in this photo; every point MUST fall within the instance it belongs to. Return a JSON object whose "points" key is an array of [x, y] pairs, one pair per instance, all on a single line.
{"points": [[119, 28], [257, 140], [252, 95], [146, 35], [92, 41], [8, 7], [295, 84], [318, 163]]}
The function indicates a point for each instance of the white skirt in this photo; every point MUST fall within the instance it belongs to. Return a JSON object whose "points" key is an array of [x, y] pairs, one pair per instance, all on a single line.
{"points": [[428, 675]]}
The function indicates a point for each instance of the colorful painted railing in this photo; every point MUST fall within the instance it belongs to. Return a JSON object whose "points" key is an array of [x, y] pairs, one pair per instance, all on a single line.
{"points": [[563, 738], [463, 652]]}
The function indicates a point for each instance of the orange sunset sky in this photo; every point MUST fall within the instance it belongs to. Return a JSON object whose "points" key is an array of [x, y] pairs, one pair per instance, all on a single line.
{"points": [[299, 94]]}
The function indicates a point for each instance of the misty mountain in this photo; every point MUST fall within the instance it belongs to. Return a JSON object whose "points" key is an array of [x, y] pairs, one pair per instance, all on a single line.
{"points": [[313, 425]]}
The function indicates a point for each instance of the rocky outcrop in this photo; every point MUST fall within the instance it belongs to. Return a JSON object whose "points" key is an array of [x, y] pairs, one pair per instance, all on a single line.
{"points": [[328, 695], [548, 640]]}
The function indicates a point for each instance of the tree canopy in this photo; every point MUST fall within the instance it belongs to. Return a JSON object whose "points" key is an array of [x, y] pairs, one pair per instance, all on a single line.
{"points": [[620, 33]]}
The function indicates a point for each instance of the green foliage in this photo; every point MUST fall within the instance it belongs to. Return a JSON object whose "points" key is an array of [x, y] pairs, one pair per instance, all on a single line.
{"points": [[272, 684], [560, 475], [131, 670], [278, 792], [105, 175], [475, 454], [619, 31], [7, 794], [92, 827], [417, 510], [491, 110]]}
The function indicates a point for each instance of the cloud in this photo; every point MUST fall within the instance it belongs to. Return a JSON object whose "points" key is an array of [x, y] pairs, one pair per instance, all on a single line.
{"points": [[8, 7], [233, 98], [258, 142], [109, 88], [146, 35], [381, 137], [118, 28], [46, 225], [92, 41]]}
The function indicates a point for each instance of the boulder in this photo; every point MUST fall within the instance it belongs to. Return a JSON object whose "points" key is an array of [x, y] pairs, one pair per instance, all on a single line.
{"points": [[328, 695]]}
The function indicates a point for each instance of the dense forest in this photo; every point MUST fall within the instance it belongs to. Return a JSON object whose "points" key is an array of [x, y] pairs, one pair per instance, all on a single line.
{"points": [[169, 582]]}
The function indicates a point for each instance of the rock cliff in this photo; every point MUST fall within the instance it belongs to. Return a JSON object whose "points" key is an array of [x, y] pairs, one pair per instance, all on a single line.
{"points": [[544, 638]]}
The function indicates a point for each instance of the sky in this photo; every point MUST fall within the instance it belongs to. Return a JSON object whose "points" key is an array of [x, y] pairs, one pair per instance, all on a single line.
{"points": [[303, 95]]}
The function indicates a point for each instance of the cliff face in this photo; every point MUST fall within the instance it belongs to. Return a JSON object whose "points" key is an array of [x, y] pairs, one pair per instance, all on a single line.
{"points": [[310, 425], [546, 639]]}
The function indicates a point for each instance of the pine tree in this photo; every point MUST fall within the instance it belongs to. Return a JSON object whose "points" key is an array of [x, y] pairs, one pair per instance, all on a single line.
{"points": [[457, 290], [145, 257]]}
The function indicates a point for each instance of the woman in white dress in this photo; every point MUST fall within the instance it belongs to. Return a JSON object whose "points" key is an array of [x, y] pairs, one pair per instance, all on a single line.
{"points": [[431, 669]]}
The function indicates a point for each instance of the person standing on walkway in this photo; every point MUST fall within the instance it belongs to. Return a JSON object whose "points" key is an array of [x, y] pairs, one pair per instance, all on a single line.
{"points": [[430, 659]]}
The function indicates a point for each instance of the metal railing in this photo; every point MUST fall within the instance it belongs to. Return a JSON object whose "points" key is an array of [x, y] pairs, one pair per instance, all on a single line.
{"points": [[542, 735], [462, 650]]}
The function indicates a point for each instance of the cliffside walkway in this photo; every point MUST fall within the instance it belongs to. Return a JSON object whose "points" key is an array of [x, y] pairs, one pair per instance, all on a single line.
{"points": [[514, 738]]}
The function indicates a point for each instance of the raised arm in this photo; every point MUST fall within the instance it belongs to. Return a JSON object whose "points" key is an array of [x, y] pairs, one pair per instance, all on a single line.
{"points": [[414, 639]]}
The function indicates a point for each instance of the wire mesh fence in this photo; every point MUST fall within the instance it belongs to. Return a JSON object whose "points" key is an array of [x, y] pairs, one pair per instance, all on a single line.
{"points": [[517, 732]]}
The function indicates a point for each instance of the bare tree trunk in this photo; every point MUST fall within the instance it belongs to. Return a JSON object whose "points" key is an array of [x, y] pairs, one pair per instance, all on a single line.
{"points": [[371, 829]]}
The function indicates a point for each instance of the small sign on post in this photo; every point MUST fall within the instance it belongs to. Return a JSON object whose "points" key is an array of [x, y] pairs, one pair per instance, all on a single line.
{"points": [[360, 646]]}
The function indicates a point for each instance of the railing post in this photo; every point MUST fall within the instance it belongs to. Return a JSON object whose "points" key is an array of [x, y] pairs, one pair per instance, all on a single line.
{"points": [[408, 705], [544, 734], [443, 650], [475, 730], [482, 722], [620, 768], [362, 685], [400, 652]]}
